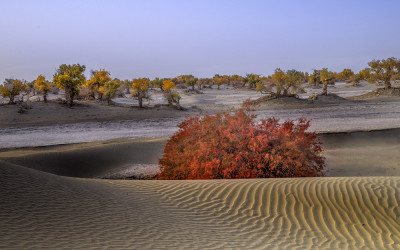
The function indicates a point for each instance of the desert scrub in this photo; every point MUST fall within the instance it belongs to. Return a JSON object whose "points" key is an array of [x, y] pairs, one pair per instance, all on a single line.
{"points": [[235, 145]]}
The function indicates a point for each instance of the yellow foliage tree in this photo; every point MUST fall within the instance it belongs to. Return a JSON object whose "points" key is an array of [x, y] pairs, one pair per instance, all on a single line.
{"points": [[97, 80], [189, 80], [140, 87], [365, 74], [157, 83], [204, 81], [327, 77], [355, 79], [109, 89], [219, 80], [70, 78], [347, 75], [43, 86], [170, 93], [384, 70], [281, 83], [252, 80], [236, 80], [168, 84], [314, 78], [12, 88]]}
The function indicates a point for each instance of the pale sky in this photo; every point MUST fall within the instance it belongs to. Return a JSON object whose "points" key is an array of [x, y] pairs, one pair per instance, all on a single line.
{"points": [[168, 38]]}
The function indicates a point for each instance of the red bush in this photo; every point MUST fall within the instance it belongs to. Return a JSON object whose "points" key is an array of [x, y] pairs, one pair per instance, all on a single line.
{"points": [[236, 146]]}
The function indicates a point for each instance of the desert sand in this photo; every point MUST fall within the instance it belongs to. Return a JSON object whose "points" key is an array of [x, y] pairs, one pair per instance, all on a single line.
{"points": [[40, 210], [52, 160], [332, 118], [212, 100], [54, 124]]}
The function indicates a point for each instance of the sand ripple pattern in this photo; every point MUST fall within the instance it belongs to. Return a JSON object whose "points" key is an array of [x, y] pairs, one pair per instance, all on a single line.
{"points": [[40, 210]]}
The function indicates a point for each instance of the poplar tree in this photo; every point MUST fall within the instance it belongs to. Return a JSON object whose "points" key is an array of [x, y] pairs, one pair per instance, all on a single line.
{"points": [[70, 78]]}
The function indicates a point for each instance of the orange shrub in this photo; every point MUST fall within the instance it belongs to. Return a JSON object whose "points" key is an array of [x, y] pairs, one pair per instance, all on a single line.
{"points": [[236, 146]]}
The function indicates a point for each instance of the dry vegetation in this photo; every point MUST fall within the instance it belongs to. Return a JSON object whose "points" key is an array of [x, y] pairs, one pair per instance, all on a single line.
{"points": [[231, 146], [101, 86]]}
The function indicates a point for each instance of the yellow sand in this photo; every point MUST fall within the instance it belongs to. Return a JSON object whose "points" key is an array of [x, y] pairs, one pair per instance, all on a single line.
{"points": [[40, 210]]}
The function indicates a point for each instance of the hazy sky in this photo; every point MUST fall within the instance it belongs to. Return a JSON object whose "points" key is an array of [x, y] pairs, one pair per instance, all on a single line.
{"points": [[167, 38]]}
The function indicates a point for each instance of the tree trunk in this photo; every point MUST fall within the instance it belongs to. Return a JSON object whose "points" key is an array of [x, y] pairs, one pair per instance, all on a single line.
{"points": [[140, 102], [70, 101], [28, 106], [91, 94], [325, 88], [66, 94], [11, 99], [45, 96], [169, 98], [193, 87], [69, 98], [387, 84], [178, 105], [218, 86]]}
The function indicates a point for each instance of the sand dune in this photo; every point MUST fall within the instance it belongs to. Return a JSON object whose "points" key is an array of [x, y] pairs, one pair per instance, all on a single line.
{"points": [[91, 160], [39, 210], [374, 153]]}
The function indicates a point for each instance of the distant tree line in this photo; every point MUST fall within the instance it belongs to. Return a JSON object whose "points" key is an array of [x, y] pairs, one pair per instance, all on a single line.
{"points": [[100, 85]]}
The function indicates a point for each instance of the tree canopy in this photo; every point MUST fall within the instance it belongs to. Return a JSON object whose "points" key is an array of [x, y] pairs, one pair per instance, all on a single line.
{"points": [[384, 70], [11, 88], [140, 87], [281, 83], [252, 80], [327, 77], [189, 80], [219, 80], [314, 78], [43, 86], [157, 83], [170, 93], [109, 89], [346, 75], [70, 78], [97, 80]]}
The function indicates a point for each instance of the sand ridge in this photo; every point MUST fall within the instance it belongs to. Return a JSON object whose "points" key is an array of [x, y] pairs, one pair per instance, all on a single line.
{"points": [[318, 213]]}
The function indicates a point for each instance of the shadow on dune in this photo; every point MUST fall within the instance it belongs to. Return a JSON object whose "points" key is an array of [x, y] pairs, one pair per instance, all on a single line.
{"points": [[374, 153], [93, 161]]}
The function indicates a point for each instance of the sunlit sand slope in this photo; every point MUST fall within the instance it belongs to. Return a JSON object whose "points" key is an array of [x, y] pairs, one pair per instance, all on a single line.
{"points": [[40, 210]]}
